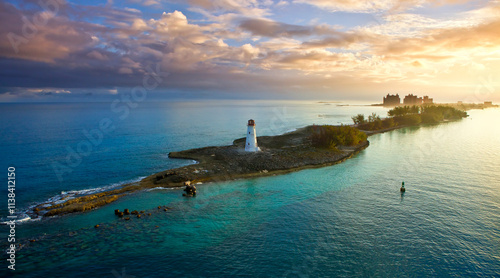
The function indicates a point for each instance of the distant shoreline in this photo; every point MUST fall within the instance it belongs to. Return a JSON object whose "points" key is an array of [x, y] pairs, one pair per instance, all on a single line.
{"points": [[461, 106]]}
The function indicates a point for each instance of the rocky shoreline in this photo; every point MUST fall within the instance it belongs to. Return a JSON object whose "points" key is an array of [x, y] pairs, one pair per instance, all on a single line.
{"points": [[280, 154]]}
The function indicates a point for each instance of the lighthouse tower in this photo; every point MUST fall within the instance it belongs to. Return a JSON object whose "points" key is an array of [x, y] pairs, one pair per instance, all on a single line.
{"points": [[251, 143]]}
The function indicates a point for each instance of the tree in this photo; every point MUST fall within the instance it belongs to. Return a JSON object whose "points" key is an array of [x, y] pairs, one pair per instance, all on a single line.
{"points": [[388, 123], [414, 109], [329, 137], [358, 119], [373, 118], [412, 119], [399, 111]]}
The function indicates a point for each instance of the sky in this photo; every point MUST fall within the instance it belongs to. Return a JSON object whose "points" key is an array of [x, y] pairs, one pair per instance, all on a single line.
{"points": [[61, 50]]}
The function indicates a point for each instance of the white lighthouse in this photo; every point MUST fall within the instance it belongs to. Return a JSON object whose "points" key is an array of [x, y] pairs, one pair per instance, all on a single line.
{"points": [[251, 143]]}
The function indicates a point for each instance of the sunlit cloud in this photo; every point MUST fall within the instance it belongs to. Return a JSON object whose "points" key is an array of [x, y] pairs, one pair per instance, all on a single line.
{"points": [[231, 44], [366, 6]]}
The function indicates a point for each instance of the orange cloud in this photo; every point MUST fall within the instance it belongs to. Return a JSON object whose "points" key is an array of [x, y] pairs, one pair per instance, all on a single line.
{"points": [[366, 6]]}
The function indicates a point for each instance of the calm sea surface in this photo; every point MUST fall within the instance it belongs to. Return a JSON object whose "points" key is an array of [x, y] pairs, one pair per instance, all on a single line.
{"points": [[340, 221]]}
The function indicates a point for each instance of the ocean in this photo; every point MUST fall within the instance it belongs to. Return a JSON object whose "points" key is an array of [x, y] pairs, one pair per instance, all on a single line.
{"points": [[340, 221]]}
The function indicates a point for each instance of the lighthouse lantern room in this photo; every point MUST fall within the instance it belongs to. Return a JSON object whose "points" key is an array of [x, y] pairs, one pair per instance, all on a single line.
{"points": [[251, 142]]}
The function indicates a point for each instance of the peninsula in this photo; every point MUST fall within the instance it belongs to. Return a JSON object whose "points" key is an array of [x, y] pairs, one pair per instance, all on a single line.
{"points": [[279, 154], [308, 147]]}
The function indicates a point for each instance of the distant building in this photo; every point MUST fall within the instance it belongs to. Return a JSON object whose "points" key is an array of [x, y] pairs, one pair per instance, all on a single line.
{"points": [[428, 100], [392, 100], [412, 100], [488, 103], [460, 102]]}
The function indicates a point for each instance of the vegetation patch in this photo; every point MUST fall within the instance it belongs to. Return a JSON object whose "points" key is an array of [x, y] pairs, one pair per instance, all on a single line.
{"points": [[408, 116], [329, 137]]}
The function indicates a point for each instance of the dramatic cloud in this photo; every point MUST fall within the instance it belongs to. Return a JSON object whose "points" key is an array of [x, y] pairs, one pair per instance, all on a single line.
{"points": [[24, 38], [89, 51]]}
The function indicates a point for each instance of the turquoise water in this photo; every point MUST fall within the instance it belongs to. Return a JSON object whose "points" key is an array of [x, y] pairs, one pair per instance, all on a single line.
{"points": [[344, 220]]}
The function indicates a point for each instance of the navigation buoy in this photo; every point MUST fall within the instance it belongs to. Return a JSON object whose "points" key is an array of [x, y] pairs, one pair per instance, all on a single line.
{"points": [[402, 189]]}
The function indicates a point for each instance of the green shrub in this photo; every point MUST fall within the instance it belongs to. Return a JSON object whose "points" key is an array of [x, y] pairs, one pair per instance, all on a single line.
{"points": [[431, 118], [329, 137], [444, 112], [388, 123], [403, 110], [411, 119], [378, 124], [365, 126]]}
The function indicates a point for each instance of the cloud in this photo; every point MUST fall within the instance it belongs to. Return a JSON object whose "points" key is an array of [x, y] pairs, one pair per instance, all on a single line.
{"points": [[253, 8], [97, 55], [145, 3], [448, 40], [224, 47], [39, 36], [416, 64], [124, 70], [350, 5], [366, 6], [341, 40], [282, 3], [132, 10], [269, 28], [175, 25]]}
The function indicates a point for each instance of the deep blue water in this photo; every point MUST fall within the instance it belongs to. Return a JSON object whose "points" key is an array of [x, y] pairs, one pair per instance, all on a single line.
{"points": [[344, 220]]}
